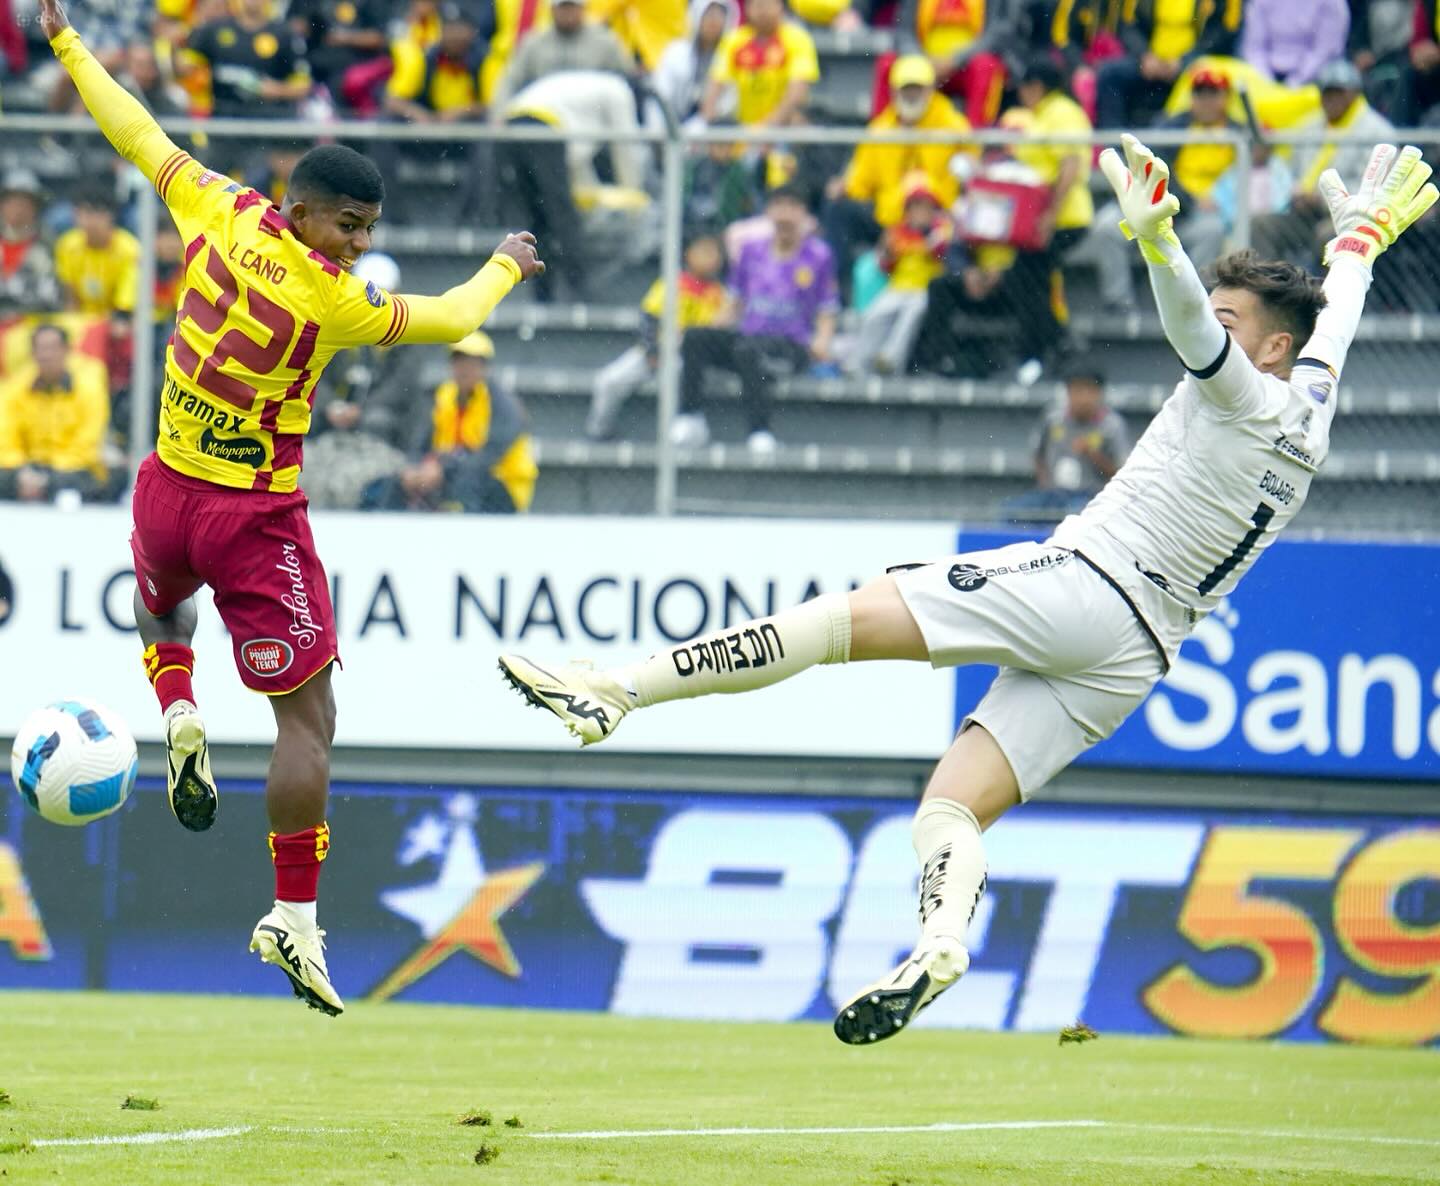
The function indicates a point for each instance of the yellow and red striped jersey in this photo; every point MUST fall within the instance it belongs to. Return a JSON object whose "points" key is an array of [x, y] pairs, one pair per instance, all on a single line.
{"points": [[260, 314]]}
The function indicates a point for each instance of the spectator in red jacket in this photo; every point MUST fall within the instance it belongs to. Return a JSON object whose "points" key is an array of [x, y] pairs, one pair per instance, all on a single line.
{"points": [[12, 43], [1419, 89]]}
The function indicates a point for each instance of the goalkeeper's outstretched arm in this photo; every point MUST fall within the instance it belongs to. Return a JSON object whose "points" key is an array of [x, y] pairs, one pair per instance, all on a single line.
{"points": [[1142, 184], [1394, 191]]}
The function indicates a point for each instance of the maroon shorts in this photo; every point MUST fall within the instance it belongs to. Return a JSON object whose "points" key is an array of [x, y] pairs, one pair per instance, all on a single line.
{"points": [[255, 550]]}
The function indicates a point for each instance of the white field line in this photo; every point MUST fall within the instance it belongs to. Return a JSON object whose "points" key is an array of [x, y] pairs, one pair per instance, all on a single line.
{"points": [[990, 1126], [1277, 1134], [148, 1138], [636, 1134], [186, 1136]]}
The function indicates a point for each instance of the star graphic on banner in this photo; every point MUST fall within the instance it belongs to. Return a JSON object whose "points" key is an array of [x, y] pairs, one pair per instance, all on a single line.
{"points": [[426, 837], [459, 911]]}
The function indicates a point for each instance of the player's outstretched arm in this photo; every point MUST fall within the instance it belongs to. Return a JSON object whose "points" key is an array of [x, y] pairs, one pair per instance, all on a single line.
{"points": [[1394, 192], [125, 122], [462, 310], [1142, 185]]}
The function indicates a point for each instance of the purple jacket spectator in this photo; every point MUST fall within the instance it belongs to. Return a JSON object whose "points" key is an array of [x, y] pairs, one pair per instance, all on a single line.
{"points": [[782, 297], [1289, 41]]}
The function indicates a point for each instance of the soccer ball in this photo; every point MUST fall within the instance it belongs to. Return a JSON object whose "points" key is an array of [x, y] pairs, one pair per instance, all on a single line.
{"points": [[74, 761]]}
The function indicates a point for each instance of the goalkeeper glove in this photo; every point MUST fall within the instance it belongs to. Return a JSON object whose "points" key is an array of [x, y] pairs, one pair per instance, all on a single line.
{"points": [[1394, 192], [1142, 184]]}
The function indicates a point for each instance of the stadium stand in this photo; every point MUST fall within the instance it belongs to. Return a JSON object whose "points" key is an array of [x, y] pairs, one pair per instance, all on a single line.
{"points": [[906, 446]]}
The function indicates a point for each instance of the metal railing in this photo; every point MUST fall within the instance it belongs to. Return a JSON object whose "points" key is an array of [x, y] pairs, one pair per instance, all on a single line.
{"points": [[671, 147]]}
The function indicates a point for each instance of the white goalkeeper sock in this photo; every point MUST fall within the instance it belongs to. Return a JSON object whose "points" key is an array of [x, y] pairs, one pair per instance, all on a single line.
{"points": [[952, 867], [748, 656]]}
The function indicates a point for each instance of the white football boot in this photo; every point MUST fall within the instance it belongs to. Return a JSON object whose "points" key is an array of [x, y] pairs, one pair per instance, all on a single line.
{"points": [[884, 1008], [589, 702], [193, 797], [297, 948]]}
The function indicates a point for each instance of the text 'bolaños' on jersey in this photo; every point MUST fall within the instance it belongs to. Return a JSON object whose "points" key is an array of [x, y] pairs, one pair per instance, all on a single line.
{"points": [[1225, 465]]}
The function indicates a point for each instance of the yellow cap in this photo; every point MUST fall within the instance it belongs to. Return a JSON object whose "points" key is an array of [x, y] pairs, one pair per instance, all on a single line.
{"points": [[911, 70], [818, 12], [476, 345]]}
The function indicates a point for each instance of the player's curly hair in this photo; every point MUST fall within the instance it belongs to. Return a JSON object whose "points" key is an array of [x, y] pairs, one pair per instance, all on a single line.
{"points": [[334, 171], [1290, 294]]}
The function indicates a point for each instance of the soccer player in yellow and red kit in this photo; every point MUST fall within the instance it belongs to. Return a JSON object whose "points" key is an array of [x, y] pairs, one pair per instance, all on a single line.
{"points": [[266, 300]]}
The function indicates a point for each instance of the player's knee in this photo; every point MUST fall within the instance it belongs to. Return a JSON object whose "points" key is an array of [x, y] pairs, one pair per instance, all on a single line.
{"points": [[325, 713], [308, 713]]}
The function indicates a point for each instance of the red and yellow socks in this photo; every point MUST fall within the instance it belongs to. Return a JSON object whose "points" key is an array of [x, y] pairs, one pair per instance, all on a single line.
{"points": [[297, 857], [169, 666]]}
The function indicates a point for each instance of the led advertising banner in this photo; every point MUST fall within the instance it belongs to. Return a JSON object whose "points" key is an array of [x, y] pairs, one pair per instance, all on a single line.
{"points": [[1325, 662], [733, 907], [425, 604]]}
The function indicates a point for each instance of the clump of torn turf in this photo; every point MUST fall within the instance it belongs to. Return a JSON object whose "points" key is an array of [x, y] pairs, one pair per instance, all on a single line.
{"points": [[16, 1147], [140, 1103], [1079, 1032], [486, 1154], [5, 1100], [514, 1122], [478, 1118]]}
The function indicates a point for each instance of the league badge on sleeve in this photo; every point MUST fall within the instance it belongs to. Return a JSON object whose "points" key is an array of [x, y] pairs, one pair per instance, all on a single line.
{"points": [[374, 295]]}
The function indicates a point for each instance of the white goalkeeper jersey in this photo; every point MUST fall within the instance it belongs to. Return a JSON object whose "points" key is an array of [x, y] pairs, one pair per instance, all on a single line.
{"points": [[1223, 468]]}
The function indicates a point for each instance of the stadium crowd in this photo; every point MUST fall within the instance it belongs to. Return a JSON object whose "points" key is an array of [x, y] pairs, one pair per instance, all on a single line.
{"points": [[896, 258]]}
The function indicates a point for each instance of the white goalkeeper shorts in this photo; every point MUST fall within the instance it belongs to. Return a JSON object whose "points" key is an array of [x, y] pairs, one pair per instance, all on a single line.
{"points": [[1075, 659]]}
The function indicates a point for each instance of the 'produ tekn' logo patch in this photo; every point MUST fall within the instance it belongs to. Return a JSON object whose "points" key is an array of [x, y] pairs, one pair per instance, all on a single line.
{"points": [[267, 656]]}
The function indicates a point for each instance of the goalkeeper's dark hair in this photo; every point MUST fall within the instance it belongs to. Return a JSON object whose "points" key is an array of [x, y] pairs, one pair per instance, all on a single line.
{"points": [[332, 171], [1292, 296]]}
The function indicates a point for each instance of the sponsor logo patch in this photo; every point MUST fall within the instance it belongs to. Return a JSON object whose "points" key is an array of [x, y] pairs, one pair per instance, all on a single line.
{"points": [[967, 577], [240, 450], [206, 178], [267, 656]]}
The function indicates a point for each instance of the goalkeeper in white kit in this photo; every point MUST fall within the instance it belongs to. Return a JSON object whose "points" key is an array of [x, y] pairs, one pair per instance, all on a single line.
{"points": [[1082, 625]]}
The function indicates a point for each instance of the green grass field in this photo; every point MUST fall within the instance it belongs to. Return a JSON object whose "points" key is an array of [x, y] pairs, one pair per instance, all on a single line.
{"points": [[374, 1098]]}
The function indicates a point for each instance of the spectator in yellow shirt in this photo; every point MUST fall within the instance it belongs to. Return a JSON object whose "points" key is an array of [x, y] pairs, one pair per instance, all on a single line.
{"points": [[1064, 169], [441, 84], [770, 62], [54, 413], [1162, 38], [703, 302], [912, 255], [475, 452], [444, 83], [871, 194], [97, 262], [645, 27]]}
